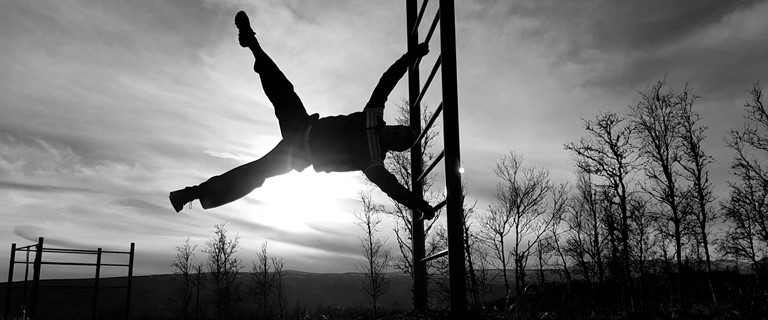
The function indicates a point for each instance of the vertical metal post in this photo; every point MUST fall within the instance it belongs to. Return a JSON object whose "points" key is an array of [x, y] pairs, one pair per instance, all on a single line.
{"points": [[95, 312], [452, 159], [417, 226], [26, 280], [130, 282], [36, 277], [9, 284]]}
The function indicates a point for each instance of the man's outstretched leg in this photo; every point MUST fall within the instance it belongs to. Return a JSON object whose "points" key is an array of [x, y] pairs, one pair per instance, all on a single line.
{"points": [[238, 182], [289, 109]]}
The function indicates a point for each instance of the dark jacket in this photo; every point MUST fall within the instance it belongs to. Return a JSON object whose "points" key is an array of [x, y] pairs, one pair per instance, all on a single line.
{"points": [[351, 142]]}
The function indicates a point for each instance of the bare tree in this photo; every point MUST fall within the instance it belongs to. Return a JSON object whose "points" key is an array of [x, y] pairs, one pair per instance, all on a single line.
{"points": [[749, 165], [587, 240], [267, 291], [609, 154], [223, 268], [519, 210], [279, 290], [746, 209], [642, 224], [184, 285], [199, 286], [544, 250], [263, 283], [557, 227], [695, 162], [439, 272], [375, 283], [656, 121], [474, 254], [494, 228]]}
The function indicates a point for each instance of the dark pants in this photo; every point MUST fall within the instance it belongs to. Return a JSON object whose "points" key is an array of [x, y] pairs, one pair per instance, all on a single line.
{"points": [[289, 154]]}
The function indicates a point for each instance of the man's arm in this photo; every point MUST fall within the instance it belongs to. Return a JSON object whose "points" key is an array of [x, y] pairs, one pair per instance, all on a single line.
{"points": [[392, 76], [387, 182]]}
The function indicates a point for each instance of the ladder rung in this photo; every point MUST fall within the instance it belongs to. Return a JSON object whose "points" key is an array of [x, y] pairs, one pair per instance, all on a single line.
{"points": [[431, 77], [429, 34], [430, 123], [431, 167], [436, 208], [433, 26], [421, 15], [435, 256]]}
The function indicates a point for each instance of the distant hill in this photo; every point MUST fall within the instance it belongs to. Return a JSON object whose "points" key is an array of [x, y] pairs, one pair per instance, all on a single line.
{"points": [[152, 295]]}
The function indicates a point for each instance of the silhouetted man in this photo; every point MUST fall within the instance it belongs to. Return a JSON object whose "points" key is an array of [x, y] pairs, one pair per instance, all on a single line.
{"points": [[357, 141]]}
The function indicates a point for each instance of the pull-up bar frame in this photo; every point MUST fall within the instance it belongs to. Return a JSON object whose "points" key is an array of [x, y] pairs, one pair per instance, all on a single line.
{"points": [[38, 249]]}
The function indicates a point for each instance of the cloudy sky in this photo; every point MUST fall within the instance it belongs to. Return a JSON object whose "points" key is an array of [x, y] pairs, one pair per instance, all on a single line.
{"points": [[106, 106]]}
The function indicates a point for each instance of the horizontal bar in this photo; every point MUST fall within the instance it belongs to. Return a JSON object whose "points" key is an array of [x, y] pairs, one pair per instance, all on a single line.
{"points": [[81, 251], [421, 14], [433, 26], [82, 264], [56, 263], [116, 252], [430, 123], [435, 256], [431, 77], [26, 247], [73, 251], [432, 166], [115, 265]]}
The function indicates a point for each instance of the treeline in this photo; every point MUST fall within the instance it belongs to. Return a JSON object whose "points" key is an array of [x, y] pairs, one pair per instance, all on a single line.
{"points": [[633, 236], [211, 290]]}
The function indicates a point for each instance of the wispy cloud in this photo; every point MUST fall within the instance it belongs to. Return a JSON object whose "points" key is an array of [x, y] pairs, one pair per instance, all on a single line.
{"points": [[41, 188], [31, 233]]}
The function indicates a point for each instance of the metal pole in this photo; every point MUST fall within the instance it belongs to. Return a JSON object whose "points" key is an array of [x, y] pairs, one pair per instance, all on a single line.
{"points": [[452, 159], [36, 277], [9, 284], [94, 313], [417, 225], [130, 281], [26, 280]]}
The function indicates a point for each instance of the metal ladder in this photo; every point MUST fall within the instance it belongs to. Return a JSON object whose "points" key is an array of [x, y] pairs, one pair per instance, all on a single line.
{"points": [[451, 153]]}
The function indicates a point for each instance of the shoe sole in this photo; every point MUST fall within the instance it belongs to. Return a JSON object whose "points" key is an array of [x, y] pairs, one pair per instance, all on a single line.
{"points": [[243, 24], [176, 201]]}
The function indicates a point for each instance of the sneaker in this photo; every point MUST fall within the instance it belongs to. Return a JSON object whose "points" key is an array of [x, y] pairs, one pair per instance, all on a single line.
{"points": [[181, 197], [246, 36]]}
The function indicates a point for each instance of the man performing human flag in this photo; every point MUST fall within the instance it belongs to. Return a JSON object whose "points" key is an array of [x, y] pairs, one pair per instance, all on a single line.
{"points": [[355, 142]]}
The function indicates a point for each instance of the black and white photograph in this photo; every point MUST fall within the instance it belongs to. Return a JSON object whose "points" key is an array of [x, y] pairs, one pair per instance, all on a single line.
{"points": [[393, 160]]}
